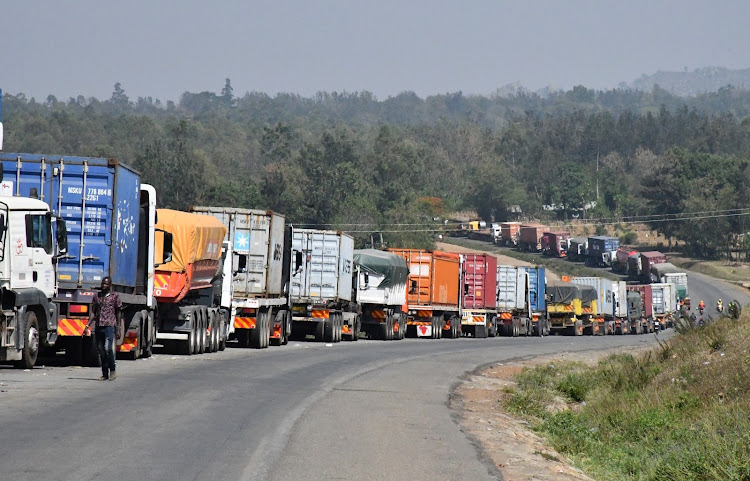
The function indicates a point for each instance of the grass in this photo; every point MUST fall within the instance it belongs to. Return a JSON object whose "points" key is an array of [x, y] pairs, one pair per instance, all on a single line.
{"points": [[678, 412]]}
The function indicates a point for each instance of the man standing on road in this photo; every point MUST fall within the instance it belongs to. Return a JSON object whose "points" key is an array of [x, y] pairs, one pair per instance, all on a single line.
{"points": [[105, 311]]}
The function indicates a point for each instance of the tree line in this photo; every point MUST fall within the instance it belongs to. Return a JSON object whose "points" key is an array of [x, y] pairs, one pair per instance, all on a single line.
{"points": [[396, 167]]}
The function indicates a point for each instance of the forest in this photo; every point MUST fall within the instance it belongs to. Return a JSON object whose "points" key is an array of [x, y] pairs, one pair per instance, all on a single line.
{"points": [[397, 167]]}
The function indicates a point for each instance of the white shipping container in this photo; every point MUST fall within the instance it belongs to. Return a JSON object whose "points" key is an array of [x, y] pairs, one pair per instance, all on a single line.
{"points": [[620, 298], [663, 298], [325, 270], [677, 278], [509, 296]]}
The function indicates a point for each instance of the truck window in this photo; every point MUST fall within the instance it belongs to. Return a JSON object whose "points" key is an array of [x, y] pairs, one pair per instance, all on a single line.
{"points": [[38, 232]]}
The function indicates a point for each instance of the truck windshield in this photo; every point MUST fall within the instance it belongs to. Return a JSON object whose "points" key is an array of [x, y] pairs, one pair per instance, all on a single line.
{"points": [[38, 232]]}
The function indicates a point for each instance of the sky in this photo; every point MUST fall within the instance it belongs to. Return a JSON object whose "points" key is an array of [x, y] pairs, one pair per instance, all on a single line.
{"points": [[162, 48]]}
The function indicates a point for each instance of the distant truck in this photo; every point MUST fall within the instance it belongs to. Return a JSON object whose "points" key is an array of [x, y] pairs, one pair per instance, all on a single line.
{"points": [[521, 302], [321, 284], [663, 304], [641, 270], [258, 251], [602, 250], [187, 287], [577, 247], [478, 299], [601, 311], [667, 272], [620, 261], [380, 286], [530, 237], [555, 243], [509, 232], [433, 297]]}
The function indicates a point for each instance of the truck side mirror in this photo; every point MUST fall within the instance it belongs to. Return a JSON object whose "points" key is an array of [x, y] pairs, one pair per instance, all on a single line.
{"points": [[466, 289], [367, 279], [61, 236], [413, 288]]}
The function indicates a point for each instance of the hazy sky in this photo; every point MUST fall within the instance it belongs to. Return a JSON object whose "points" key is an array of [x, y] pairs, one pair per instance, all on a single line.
{"points": [[161, 48]]}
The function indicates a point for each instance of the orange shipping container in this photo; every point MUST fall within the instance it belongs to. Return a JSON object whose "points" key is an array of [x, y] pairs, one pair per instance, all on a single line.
{"points": [[196, 253], [437, 278]]}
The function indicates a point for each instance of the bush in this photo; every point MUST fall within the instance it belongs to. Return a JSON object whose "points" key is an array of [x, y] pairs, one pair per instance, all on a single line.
{"points": [[628, 238]]}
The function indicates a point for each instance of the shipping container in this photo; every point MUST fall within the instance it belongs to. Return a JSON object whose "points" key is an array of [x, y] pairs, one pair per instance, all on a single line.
{"points": [[668, 272], [620, 262], [602, 249], [605, 293], [478, 298], [509, 233], [555, 243], [258, 250], [321, 277], [663, 299], [648, 261], [433, 292], [530, 237]]}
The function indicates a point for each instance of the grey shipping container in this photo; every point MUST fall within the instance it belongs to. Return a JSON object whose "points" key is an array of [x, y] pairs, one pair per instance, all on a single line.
{"points": [[324, 272], [257, 243]]}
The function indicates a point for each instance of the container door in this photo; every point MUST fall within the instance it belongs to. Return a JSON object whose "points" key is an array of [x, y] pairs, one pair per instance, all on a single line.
{"points": [[473, 289], [506, 287], [346, 261], [657, 295], [536, 296], [250, 239]]}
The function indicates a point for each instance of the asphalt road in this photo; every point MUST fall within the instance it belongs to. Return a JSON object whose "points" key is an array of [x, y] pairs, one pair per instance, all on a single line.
{"points": [[360, 411], [369, 410]]}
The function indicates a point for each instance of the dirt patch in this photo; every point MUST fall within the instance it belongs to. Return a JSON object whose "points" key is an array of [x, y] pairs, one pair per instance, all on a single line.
{"points": [[507, 441]]}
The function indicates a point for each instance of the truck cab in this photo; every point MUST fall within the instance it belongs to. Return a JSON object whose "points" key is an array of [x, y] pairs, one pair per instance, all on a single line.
{"points": [[27, 278]]}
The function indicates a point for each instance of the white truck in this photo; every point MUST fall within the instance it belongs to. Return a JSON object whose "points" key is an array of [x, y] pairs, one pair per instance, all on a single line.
{"points": [[27, 278], [663, 304], [380, 287], [321, 284]]}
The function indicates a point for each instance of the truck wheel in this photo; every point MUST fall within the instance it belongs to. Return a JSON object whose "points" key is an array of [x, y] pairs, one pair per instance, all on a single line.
{"points": [[148, 337], [605, 328], [355, 329], [339, 327], [137, 323], [201, 331], [30, 349], [281, 321], [328, 330], [492, 330], [440, 323], [539, 328], [223, 321], [256, 335], [578, 328]]}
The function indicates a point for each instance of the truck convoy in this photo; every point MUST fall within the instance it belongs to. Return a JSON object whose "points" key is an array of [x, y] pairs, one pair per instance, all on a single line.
{"points": [[530, 237]]}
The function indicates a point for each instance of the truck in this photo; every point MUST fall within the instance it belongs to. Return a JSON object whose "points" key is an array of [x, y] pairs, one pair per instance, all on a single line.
{"points": [[110, 219], [521, 307], [601, 250], [478, 297], [433, 297], [647, 261], [620, 307], [555, 243], [380, 287], [189, 314], [620, 261], [509, 234], [645, 323], [663, 304], [321, 284], [668, 272], [564, 308], [604, 309], [577, 247], [258, 250], [27, 276], [530, 237]]}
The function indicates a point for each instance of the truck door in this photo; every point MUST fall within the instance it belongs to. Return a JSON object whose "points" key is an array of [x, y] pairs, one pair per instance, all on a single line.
{"points": [[39, 251]]}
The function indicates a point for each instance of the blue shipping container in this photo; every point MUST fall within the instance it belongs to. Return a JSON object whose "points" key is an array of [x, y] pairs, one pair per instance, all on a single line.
{"points": [[600, 244], [100, 202], [537, 288]]}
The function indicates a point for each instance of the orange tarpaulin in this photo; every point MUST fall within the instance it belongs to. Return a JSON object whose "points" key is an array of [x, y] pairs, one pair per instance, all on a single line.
{"points": [[195, 238]]}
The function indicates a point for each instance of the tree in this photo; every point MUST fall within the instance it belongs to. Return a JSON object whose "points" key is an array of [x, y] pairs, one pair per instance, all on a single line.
{"points": [[227, 93], [118, 96]]}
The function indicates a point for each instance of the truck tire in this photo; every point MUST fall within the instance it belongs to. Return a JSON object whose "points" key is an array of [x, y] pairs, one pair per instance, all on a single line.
{"points": [[539, 328], [30, 350], [492, 329], [328, 330], [339, 327], [355, 329], [223, 321], [578, 328], [440, 324], [137, 323], [256, 335], [148, 348], [201, 331], [480, 332], [281, 321]]}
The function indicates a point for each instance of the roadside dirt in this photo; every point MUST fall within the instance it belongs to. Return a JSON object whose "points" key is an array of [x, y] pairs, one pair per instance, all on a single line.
{"points": [[502, 439]]}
